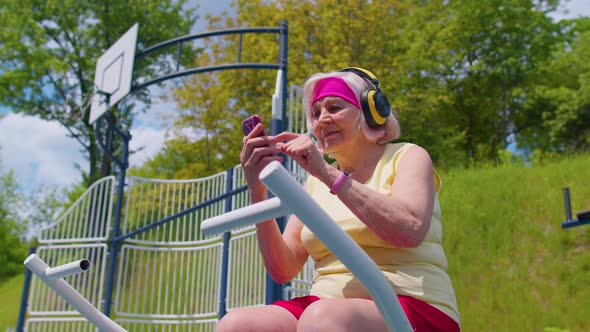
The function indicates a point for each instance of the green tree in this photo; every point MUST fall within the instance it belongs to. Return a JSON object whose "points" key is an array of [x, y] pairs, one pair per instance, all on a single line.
{"points": [[46, 203], [316, 43], [499, 45], [558, 105], [49, 51], [12, 245], [456, 71]]}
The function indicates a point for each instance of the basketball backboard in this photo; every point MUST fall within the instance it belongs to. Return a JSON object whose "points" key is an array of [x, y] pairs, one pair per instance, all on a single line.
{"points": [[114, 73]]}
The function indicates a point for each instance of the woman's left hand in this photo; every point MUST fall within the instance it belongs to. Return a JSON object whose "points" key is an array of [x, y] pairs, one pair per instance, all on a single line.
{"points": [[301, 148]]}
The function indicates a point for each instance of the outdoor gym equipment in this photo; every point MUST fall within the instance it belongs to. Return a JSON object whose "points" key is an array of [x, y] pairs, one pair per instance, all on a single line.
{"points": [[583, 216], [291, 197]]}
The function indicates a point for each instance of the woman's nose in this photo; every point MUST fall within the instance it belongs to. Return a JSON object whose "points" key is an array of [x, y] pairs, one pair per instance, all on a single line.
{"points": [[324, 116]]}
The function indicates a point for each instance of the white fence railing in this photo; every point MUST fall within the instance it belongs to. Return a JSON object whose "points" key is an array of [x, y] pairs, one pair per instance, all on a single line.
{"points": [[150, 200], [183, 282], [87, 220]]}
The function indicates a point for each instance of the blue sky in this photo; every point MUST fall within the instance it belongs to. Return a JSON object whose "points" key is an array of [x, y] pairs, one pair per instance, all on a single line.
{"points": [[40, 153]]}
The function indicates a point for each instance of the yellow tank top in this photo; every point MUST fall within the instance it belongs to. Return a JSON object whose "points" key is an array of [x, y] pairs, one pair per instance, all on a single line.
{"points": [[419, 272]]}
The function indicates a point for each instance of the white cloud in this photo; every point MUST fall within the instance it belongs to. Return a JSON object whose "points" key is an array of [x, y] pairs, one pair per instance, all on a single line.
{"points": [[570, 9], [148, 132], [149, 140], [39, 152]]}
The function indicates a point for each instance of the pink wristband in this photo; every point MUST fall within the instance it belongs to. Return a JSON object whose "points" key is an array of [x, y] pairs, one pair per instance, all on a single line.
{"points": [[339, 182]]}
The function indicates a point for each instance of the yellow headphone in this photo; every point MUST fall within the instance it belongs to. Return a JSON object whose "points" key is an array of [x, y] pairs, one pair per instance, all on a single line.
{"points": [[375, 106]]}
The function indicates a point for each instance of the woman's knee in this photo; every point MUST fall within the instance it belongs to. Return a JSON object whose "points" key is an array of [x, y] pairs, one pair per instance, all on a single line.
{"points": [[258, 319], [342, 315], [318, 316], [234, 320]]}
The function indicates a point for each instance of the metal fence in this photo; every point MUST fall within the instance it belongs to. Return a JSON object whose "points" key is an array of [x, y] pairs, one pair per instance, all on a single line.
{"points": [[169, 276]]}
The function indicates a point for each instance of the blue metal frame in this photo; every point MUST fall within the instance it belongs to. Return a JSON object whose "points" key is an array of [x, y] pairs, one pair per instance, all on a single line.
{"points": [[225, 253], [273, 290], [281, 64], [25, 296], [123, 164]]}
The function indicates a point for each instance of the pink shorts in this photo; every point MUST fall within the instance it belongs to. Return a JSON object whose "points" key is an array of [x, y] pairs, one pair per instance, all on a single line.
{"points": [[422, 316]]}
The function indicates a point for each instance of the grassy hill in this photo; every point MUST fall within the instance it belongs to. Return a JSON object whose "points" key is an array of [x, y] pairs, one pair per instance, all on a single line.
{"points": [[512, 266]]}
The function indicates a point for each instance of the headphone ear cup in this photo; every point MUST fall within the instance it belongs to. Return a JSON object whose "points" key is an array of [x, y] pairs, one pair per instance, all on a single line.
{"points": [[382, 103], [366, 107], [375, 107]]}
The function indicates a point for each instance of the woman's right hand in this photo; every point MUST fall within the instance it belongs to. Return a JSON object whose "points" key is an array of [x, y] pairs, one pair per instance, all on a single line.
{"points": [[257, 152], [283, 254]]}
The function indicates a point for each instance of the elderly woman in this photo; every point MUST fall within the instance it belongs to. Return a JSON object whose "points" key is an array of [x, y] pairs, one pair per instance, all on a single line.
{"points": [[383, 195]]}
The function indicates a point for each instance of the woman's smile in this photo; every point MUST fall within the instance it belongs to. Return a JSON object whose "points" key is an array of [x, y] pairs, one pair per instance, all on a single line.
{"points": [[329, 133]]}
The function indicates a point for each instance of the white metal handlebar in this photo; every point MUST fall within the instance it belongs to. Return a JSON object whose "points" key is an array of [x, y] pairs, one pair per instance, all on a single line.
{"points": [[53, 278], [252, 214]]}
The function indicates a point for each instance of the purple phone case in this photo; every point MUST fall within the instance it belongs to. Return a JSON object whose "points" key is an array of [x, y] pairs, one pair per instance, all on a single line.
{"points": [[249, 124]]}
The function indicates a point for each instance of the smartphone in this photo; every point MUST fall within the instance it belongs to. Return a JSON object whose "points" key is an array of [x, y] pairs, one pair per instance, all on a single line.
{"points": [[249, 124]]}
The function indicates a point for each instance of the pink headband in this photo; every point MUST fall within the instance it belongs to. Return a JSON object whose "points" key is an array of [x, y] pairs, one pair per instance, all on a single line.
{"points": [[334, 87]]}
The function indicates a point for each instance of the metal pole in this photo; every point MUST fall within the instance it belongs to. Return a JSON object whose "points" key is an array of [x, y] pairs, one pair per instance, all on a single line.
{"points": [[25, 297], [283, 60], [123, 164], [567, 204], [274, 290], [225, 252]]}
